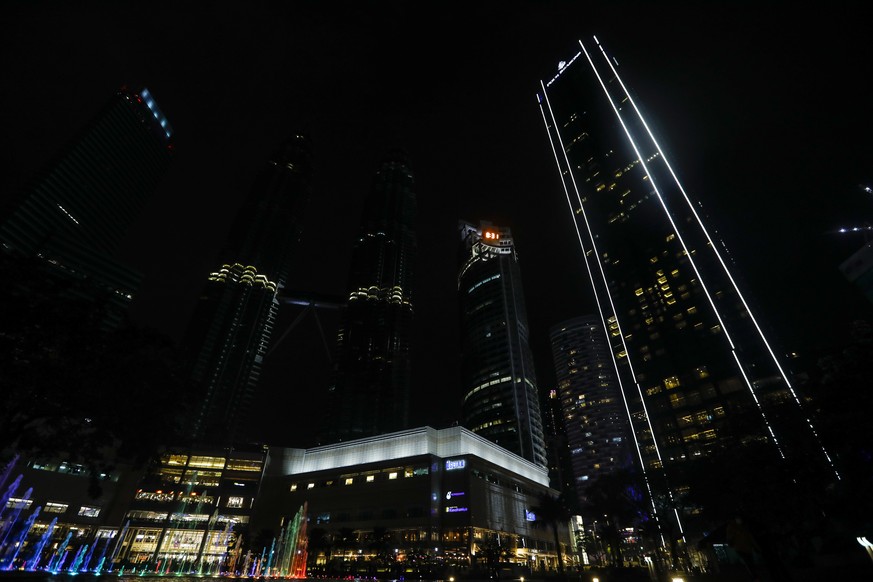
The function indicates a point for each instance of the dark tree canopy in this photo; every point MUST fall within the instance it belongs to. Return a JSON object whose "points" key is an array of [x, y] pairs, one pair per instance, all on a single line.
{"points": [[73, 387]]}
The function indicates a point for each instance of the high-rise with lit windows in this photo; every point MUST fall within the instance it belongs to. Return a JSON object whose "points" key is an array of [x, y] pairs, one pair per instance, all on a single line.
{"points": [[695, 369], [75, 213], [371, 390], [500, 396], [229, 334], [593, 417]]}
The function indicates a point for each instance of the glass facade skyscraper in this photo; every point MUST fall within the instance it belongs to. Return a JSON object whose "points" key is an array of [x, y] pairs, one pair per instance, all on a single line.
{"points": [[75, 213], [500, 395], [593, 417], [371, 391], [232, 325], [696, 372]]}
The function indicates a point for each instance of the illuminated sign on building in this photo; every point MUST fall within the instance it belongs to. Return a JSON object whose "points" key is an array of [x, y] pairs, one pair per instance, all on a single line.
{"points": [[491, 235], [450, 494], [455, 509], [452, 465], [529, 515]]}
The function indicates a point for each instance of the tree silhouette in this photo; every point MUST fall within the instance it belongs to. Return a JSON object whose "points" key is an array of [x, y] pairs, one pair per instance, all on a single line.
{"points": [[552, 512], [614, 501], [71, 384]]}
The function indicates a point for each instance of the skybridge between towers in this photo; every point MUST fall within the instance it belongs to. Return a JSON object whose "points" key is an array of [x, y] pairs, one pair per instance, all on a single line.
{"points": [[311, 303]]}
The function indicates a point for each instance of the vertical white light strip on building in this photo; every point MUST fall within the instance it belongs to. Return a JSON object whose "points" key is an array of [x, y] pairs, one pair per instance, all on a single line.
{"points": [[723, 266], [642, 160], [606, 283], [673, 224], [678, 235], [618, 374]]}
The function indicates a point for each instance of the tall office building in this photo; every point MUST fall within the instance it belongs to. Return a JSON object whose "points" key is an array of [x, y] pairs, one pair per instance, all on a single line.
{"points": [[230, 330], [695, 370], [594, 421], [371, 390], [76, 212], [501, 398]]}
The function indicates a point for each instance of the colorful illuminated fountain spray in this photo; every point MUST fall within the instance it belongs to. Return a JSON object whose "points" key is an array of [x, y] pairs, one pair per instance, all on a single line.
{"points": [[7, 562], [8, 524], [22, 548], [34, 560], [291, 554], [14, 535]]}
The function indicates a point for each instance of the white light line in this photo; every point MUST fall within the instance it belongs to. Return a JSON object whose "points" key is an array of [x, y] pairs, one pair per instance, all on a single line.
{"points": [[681, 240], [600, 264], [658, 194], [758, 404], [720, 260], [603, 318]]}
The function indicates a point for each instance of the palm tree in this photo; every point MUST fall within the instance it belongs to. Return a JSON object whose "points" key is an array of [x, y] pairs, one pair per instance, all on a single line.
{"points": [[615, 496], [552, 511]]}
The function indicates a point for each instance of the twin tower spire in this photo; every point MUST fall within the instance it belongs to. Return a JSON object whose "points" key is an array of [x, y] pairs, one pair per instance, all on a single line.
{"points": [[372, 383]]}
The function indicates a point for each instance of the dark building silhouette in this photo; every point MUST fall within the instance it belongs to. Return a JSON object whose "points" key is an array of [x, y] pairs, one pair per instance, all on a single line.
{"points": [[232, 325], [501, 398], [371, 392], [595, 422], [557, 451], [694, 367], [75, 213]]}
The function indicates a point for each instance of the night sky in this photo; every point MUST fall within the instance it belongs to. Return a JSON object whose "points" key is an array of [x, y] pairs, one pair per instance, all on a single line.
{"points": [[764, 114]]}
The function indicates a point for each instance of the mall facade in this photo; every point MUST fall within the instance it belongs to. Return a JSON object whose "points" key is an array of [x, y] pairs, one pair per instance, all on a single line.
{"points": [[416, 501], [420, 501]]}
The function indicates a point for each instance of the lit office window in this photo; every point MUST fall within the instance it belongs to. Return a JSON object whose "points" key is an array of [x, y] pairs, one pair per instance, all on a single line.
{"points": [[88, 511], [52, 507]]}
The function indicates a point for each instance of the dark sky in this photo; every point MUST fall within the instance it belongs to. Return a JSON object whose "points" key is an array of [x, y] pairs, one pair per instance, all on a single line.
{"points": [[765, 114]]}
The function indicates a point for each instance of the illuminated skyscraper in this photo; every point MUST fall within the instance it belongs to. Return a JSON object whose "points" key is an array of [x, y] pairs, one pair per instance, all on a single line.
{"points": [[695, 370], [230, 330], [501, 399], [371, 392], [594, 420], [76, 212]]}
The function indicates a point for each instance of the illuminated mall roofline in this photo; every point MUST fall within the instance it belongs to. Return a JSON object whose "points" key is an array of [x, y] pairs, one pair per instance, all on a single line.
{"points": [[448, 442]]}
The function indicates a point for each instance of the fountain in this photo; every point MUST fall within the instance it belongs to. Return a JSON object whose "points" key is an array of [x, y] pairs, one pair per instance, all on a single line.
{"points": [[29, 544], [290, 543], [119, 540], [269, 569], [10, 563], [7, 470], [86, 560], [77, 558], [37, 550], [56, 561], [9, 524], [8, 493]]}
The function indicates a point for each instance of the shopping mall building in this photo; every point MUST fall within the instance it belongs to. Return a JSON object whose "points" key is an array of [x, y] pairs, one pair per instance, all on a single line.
{"points": [[421, 501]]}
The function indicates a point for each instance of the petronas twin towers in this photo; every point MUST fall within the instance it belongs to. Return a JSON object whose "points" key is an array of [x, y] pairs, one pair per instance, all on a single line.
{"points": [[232, 325], [372, 379], [371, 390], [693, 370]]}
